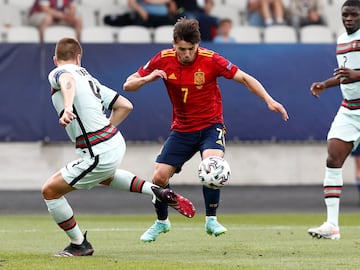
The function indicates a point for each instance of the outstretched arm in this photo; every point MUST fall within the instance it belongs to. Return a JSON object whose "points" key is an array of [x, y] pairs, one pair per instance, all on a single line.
{"points": [[135, 81], [257, 88]]}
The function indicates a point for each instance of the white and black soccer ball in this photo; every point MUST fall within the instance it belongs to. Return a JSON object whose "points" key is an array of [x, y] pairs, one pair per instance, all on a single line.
{"points": [[214, 172]]}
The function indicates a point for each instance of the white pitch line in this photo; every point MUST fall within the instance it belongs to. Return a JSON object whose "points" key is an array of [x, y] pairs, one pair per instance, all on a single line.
{"points": [[132, 229]]}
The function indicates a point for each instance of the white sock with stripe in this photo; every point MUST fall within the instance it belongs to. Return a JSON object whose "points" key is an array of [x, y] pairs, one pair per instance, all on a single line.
{"points": [[128, 181], [333, 184], [61, 212]]}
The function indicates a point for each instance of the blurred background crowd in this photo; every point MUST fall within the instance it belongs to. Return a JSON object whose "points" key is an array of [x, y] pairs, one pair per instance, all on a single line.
{"points": [[240, 21]]}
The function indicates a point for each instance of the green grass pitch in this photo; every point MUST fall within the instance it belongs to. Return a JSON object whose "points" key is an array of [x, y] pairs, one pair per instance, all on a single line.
{"points": [[256, 241]]}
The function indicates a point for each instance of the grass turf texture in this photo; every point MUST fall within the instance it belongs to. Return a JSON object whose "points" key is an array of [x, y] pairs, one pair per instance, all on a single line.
{"points": [[267, 241]]}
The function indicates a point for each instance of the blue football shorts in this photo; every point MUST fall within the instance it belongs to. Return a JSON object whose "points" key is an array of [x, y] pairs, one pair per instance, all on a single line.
{"points": [[356, 152], [179, 147]]}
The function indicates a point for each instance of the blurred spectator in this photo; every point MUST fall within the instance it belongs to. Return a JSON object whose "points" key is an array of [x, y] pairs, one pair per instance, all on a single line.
{"points": [[223, 32], [265, 12], [149, 13], [199, 10], [45, 13], [254, 16], [305, 12]]}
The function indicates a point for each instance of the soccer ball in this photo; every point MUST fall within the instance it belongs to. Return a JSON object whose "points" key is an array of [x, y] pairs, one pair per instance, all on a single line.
{"points": [[214, 172]]}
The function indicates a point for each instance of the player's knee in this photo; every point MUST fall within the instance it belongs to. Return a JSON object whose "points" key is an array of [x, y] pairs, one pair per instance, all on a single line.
{"points": [[162, 174], [334, 162], [44, 191], [47, 192], [160, 182], [161, 179]]}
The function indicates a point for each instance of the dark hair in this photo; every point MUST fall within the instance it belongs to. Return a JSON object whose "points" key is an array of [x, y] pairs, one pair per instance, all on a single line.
{"points": [[351, 3], [187, 30], [67, 49]]}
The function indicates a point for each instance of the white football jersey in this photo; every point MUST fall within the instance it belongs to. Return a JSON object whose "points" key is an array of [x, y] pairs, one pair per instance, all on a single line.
{"points": [[91, 131], [348, 55]]}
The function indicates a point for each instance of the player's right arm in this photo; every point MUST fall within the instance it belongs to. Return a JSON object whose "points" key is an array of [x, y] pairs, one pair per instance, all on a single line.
{"points": [[67, 86], [135, 81]]}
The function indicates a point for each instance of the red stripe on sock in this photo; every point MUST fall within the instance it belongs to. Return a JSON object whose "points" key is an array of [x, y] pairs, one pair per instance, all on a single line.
{"points": [[136, 185], [332, 191], [68, 224]]}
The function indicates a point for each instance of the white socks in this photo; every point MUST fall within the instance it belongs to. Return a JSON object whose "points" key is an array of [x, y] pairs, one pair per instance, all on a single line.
{"points": [[63, 215], [333, 184], [128, 181]]}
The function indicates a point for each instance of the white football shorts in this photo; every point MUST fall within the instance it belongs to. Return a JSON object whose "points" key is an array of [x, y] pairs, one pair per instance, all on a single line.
{"points": [[86, 172], [346, 126]]}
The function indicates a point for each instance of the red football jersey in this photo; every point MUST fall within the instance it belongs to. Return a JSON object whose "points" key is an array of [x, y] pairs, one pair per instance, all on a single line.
{"points": [[193, 89]]}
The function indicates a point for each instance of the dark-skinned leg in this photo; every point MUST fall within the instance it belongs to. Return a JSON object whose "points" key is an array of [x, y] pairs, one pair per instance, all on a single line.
{"points": [[338, 151]]}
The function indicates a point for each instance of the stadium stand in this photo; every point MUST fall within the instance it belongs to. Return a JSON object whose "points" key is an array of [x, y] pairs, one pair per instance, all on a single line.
{"points": [[23, 7], [98, 34], [240, 6], [3, 34], [134, 34], [14, 13], [163, 34], [111, 10], [316, 34], [246, 34], [53, 33], [333, 17], [23, 34], [10, 16], [280, 34], [89, 15], [224, 11], [97, 3]]}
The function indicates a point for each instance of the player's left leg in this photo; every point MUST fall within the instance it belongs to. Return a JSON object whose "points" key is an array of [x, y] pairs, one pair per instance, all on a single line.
{"points": [[162, 224], [83, 173], [212, 199], [338, 150], [213, 144], [53, 192], [127, 181], [333, 184]]}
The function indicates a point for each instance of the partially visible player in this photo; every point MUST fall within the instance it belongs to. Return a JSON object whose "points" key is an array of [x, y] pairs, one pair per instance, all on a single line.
{"points": [[356, 155], [190, 75], [80, 101], [344, 134]]}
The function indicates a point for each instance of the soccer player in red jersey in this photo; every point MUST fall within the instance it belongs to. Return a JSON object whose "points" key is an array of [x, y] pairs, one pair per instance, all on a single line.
{"points": [[190, 75]]}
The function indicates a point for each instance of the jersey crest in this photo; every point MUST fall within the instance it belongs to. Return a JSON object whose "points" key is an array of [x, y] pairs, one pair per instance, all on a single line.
{"points": [[199, 79]]}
